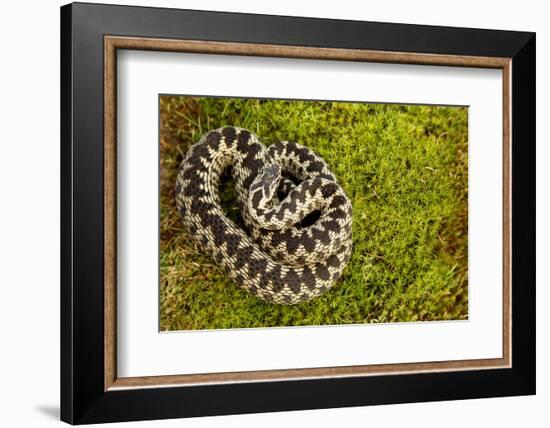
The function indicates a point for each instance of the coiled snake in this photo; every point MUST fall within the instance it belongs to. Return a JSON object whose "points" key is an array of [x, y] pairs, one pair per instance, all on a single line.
{"points": [[276, 257]]}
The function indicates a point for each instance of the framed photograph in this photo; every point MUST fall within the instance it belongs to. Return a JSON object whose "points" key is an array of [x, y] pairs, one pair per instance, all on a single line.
{"points": [[266, 213]]}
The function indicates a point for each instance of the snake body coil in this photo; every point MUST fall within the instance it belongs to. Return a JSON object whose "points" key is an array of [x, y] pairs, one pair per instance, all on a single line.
{"points": [[276, 258]]}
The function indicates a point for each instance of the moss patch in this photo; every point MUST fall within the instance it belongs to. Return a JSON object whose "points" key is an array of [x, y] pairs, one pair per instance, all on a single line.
{"points": [[405, 169]]}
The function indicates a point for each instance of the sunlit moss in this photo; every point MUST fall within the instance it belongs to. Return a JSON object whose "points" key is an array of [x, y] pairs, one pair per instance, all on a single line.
{"points": [[405, 170]]}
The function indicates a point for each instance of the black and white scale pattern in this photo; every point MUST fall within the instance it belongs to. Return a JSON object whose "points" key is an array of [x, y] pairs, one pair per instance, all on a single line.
{"points": [[275, 258]]}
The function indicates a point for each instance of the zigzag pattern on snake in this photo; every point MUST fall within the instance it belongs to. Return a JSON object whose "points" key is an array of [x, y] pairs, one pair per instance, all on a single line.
{"points": [[275, 256]]}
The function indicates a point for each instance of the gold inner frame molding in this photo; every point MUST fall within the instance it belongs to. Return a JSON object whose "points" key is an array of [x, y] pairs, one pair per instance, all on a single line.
{"points": [[113, 43]]}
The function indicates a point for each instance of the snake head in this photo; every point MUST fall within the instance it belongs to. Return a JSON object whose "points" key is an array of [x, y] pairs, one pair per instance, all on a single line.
{"points": [[264, 186]]}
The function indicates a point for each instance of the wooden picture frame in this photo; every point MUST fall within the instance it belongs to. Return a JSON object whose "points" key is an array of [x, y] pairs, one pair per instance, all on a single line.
{"points": [[91, 391]]}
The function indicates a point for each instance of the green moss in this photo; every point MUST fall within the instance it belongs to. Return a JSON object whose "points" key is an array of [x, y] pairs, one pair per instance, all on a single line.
{"points": [[405, 170]]}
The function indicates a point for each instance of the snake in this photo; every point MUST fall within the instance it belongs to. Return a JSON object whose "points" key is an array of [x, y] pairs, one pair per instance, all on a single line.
{"points": [[276, 254]]}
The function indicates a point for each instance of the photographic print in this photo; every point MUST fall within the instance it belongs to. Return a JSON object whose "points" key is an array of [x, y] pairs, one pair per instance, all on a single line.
{"points": [[342, 193], [279, 213]]}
